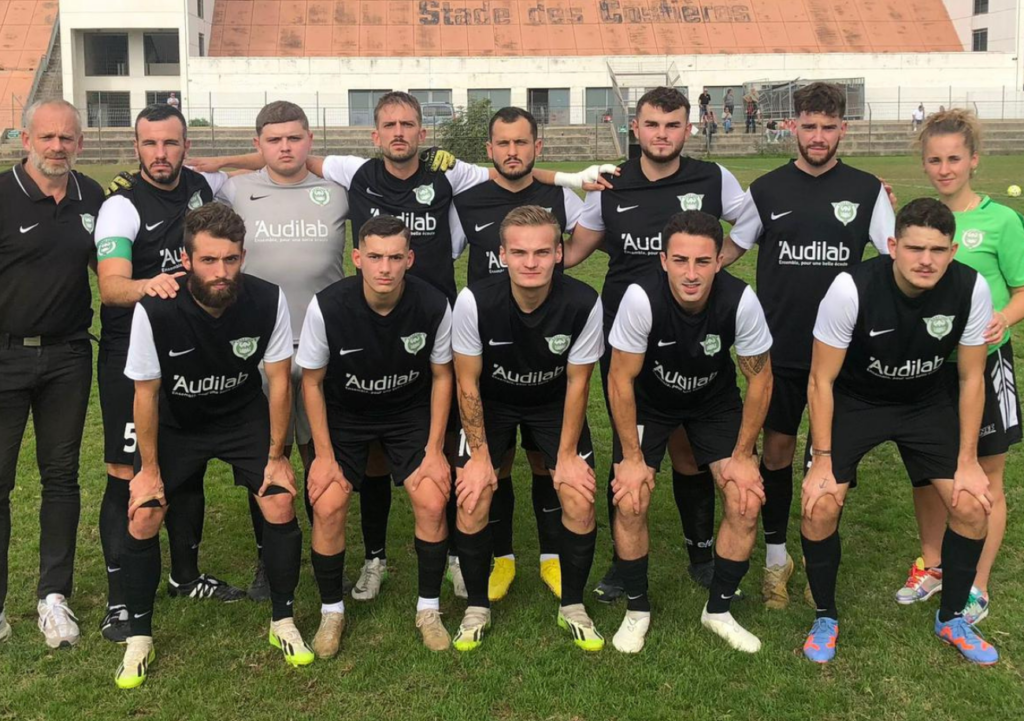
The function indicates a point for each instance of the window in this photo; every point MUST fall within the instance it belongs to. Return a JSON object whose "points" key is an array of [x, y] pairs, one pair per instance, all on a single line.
{"points": [[500, 98], [550, 106], [161, 53], [202, 45], [160, 96], [980, 7], [361, 104], [106, 54], [199, 11], [602, 106], [432, 96], [108, 110], [979, 41]]}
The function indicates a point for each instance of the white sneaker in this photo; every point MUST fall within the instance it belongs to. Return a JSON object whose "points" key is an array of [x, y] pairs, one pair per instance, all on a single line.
{"points": [[5, 628], [371, 577], [138, 654], [57, 622], [724, 625], [630, 636], [455, 576]]}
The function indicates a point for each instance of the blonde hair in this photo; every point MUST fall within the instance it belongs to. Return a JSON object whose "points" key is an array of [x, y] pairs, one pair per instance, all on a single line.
{"points": [[531, 216], [955, 121]]}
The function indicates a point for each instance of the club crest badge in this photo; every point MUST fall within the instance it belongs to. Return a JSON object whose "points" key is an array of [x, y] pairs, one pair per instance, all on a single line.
{"points": [[711, 344], [939, 326], [245, 347], [971, 239], [320, 195], [196, 201], [414, 343], [845, 211], [104, 247], [559, 344], [88, 222], [691, 201], [424, 194]]}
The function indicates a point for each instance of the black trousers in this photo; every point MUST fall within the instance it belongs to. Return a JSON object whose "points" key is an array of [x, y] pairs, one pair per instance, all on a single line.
{"points": [[53, 382]]}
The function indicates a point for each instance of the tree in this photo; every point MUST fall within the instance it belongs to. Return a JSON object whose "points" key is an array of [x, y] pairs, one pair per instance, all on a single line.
{"points": [[466, 134]]}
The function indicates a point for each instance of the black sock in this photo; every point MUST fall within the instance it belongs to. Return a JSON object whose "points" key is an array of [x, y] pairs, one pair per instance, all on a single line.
{"points": [[548, 509], [140, 566], [823, 559], [611, 514], [634, 578], [576, 555], [375, 507], [330, 576], [503, 509], [695, 499], [184, 521], [778, 492], [256, 516], [113, 529], [475, 560], [959, 565], [728, 574], [282, 555], [432, 557]]}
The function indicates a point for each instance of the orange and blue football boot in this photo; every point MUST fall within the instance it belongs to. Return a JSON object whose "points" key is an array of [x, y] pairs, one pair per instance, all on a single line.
{"points": [[965, 638], [820, 645]]}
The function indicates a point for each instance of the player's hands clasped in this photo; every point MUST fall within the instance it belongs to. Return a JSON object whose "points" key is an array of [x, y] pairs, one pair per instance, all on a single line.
{"points": [[631, 475], [970, 478], [164, 285], [433, 468], [475, 477], [577, 474], [818, 483], [743, 471], [322, 473], [147, 485]]}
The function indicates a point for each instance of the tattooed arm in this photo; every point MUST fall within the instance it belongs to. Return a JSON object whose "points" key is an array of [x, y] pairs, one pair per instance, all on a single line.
{"points": [[478, 472]]}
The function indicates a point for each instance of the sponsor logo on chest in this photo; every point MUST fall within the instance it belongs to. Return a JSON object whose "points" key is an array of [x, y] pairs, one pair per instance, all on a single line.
{"points": [[208, 386], [376, 386], [297, 230], [680, 382], [531, 378], [417, 224], [818, 253]]}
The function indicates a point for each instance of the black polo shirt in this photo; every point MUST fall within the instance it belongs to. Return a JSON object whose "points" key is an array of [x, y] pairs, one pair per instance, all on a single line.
{"points": [[45, 249]]}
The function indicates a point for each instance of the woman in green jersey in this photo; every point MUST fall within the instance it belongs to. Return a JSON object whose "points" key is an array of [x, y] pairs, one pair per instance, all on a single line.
{"points": [[991, 240]]}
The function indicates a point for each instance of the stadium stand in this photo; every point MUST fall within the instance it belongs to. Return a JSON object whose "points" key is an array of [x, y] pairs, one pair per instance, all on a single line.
{"points": [[26, 32]]}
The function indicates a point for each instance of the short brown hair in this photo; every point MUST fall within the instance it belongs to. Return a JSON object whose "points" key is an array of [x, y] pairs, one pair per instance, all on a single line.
{"points": [[955, 121], [824, 98], [215, 219], [667, 100], [530, 216], [397, 97], [281, 111], [385, 226]]}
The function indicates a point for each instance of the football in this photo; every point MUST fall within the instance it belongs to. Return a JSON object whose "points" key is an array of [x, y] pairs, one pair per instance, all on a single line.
{"points": [[1013, 191]]}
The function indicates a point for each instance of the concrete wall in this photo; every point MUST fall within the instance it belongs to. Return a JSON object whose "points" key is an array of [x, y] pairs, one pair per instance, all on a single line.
{"points": [[1000, 21]]}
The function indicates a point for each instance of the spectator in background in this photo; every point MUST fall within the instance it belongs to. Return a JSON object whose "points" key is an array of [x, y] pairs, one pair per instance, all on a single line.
{"points": [[771, 131], [704, 100], [729, 104], [917, 118], [709, 125], [750, 101], [173, 101], [727, 119]]}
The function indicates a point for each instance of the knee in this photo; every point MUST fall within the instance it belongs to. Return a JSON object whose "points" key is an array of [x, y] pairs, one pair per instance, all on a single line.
{"points": [[736, 514], [278, 508], [823, 521], [576, 508], [330, 506], [146, 522], [969, 513]]}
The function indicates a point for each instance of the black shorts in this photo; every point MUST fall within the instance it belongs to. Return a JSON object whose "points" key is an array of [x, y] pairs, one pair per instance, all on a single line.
{"points": [[402, 438], [242, 442], [927, 435], [117, 400], [541, 425], [712, 429], [1000, 421], [789, 399]]}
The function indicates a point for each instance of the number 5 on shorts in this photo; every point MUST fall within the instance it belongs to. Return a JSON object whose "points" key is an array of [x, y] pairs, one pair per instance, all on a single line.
{"points": [[129, 435]]}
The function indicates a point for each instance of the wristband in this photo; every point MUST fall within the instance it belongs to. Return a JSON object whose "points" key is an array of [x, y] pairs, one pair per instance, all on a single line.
{"points": [[821, 452]]}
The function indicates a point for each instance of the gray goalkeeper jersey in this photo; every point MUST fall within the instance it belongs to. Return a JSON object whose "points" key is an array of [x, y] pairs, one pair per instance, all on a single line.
{"points": [[294, 234]]}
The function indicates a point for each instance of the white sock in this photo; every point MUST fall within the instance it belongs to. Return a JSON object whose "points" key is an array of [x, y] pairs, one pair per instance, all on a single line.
{"points": [[453, 560], [548, 557], [511, 557], [338, 607], [775, 554], [428, 604]]}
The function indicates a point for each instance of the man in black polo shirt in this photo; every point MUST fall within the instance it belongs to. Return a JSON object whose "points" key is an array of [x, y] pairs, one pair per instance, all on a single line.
{"points": [[195, 359], [884, 331], [47, 215]]}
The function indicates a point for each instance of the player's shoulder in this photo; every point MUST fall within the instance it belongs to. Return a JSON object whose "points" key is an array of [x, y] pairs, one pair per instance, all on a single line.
{"points": [[89, 190], [875, 267], [730, 282], [1000, 213], [156, 307], [260, 289], [855, 178], [490, 287], [480, 194], [576, 290], [342, 288], [771, 179], [424, 294], [130, 191]]}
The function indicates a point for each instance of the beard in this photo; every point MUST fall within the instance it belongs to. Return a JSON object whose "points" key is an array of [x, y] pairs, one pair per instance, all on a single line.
{"points": [[409, 153], [52, 170], [525, 170], [165, 178], [671, 157], [206, 294], [816, 163]]}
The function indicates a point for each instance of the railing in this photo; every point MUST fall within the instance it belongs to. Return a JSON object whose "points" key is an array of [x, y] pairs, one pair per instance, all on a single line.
{"points": [[44, 63]]}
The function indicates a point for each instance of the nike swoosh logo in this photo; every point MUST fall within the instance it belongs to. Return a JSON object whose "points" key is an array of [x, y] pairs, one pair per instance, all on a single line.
{"points": [[499, 342], [662, 344], [112, 570], [155, 225], [25, 230], [176, 353], [776, 216], [633, 598], [342, 351], [551, 510], [141, 615], [880, 332], [623, 210], [481, 227], [369, 191], [258, 197], [585, 456], [726, 598]]}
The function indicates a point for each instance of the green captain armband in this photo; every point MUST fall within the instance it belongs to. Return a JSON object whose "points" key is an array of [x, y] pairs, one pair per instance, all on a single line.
{"points": [[114, 248]]}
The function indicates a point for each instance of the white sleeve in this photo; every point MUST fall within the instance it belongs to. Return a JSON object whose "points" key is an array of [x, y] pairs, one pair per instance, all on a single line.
{"points": [[227, 191], [459, 240], [282, 343], [442, 350], [143, 362], [732, 196], [465, 325], [981, 314], [632, 324], [883, 222], [118, 218], [591, 217], [464, 176], [314, 352], [573, 209], [752, 334], [589, 345], [837, 314], [748, 227], [216, 181], [341, 169]]}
